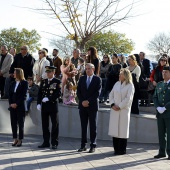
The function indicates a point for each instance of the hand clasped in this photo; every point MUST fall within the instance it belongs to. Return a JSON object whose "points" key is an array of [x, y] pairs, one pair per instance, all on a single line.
{"points": [[85, 103]]}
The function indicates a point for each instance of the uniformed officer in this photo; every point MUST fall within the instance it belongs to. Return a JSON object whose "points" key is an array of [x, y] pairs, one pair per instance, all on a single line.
{"points": [[161, 100], [49, 92]]}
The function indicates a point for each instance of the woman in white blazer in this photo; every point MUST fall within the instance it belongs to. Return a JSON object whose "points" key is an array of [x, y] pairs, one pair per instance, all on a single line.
{"points": [[120, 99], [39, 67]]}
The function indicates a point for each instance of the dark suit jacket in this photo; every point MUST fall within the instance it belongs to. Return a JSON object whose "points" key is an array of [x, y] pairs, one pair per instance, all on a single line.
{"points": [[26, 63], [146, 68], [52, 91], [91, 94], [20, 94]]}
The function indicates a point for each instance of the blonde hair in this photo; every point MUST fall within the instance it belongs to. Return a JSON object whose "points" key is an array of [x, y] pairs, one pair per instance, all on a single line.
{"points": [[134, 59], [19, 74], [127, 75], [64, 60], [43, 51]]}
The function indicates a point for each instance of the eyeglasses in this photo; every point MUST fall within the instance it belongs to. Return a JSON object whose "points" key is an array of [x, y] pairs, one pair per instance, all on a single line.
{"points": [[163, 60]]}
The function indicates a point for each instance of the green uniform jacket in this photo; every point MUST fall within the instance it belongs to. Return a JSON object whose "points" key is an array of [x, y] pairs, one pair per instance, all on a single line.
{"points": [[161, 98]]}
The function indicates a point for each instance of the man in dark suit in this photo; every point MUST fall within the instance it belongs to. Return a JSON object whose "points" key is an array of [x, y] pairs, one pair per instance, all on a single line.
{"points": [[145, 75], [49, 92], [88, 91]]}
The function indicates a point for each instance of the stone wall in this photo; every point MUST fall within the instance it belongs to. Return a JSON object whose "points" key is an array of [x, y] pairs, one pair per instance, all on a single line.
{"points": [[143, 128]]}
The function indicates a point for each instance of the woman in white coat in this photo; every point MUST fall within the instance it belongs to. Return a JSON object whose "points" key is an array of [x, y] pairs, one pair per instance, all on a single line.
{"points": [[120, 99], [39, 67]]}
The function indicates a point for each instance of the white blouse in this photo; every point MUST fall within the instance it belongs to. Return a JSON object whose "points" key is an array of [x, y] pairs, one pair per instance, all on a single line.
{"points": [[16, 86]]}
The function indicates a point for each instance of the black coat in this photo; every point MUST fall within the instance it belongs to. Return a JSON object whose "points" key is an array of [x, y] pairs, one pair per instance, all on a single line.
{"points": [[112, 76], [146, 68], [52, 91], [26, 63], [19, 96], [91, 94]]}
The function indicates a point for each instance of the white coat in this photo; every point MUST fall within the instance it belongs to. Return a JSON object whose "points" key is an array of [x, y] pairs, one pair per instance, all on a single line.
{"points": [[121, 95], [39, 68]]}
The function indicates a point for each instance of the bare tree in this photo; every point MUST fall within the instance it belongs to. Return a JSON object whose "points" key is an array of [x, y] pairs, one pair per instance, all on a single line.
{"points": [[65, 45], [81, 19], [160, 44]]}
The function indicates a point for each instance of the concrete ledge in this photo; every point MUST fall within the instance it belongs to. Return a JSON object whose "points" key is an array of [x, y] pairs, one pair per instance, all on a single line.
{"points": [[143, 128]]}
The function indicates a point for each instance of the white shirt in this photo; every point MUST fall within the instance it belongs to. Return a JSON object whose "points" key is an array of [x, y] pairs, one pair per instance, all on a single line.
{"points": [[167, 81], [16, 86]]}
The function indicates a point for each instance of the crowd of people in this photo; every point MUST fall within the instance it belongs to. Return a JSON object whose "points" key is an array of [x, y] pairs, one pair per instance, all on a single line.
{"points": [[80, 80]]}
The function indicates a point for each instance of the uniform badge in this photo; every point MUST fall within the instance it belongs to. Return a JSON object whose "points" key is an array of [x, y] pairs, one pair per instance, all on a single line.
{"points": [[51, 91], [53, 86], [168, 87], [44, 84], [160, 88]]}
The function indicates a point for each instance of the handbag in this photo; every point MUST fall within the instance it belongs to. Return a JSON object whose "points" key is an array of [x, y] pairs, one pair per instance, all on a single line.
{"points": [[151, 86]]}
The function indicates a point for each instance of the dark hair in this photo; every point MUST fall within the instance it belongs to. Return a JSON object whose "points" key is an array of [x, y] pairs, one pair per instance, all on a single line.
{"points": [[55, 50], [68, 84], [109, 60], [163, 57], [45, 49], [143, 53], [30, 78], [138, 59], [115, 55], [81, 60], [93, 54]]}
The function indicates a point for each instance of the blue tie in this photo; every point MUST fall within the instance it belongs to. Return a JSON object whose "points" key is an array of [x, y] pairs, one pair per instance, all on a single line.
{"points": [[88, 82]]}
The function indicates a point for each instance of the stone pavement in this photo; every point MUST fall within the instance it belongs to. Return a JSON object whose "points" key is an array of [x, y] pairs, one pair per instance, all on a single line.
{"points": [[29, 157]]}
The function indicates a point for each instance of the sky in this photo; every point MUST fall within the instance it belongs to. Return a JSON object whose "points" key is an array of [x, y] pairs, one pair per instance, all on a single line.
{"points": [[152, 17]]}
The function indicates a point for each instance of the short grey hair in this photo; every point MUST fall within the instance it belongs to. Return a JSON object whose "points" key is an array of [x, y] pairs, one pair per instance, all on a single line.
{"points": [[26, 47], [4, 46], [90, 64]]}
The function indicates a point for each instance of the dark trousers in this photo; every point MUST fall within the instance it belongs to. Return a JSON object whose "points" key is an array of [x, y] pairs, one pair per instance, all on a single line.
{"points": [[119, 145], [164, 135], [17, 120], [135, 105], [88, 115], [45, 127], [2, 85]]}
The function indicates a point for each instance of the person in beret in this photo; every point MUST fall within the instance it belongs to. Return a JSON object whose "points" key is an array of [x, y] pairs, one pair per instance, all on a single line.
{"points": [[161, 100], [49, 92]]}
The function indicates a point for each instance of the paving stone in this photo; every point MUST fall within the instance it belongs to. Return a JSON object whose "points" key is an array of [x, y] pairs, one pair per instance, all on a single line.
{"points": [[29, 157]]}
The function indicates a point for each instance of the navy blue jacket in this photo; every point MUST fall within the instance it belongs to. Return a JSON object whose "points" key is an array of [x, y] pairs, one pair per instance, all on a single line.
{"points": [[91, 94], [19, 96]]}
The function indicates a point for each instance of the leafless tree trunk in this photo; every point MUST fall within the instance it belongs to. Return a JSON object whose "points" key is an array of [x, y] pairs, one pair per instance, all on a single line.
{"points": [[160, 44]]}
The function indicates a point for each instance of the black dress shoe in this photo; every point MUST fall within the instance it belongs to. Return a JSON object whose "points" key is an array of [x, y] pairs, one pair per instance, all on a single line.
{"points": [[19, 144], [159, 156], [44, 145], [54, 147], [82, 149], [91, 150]]}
